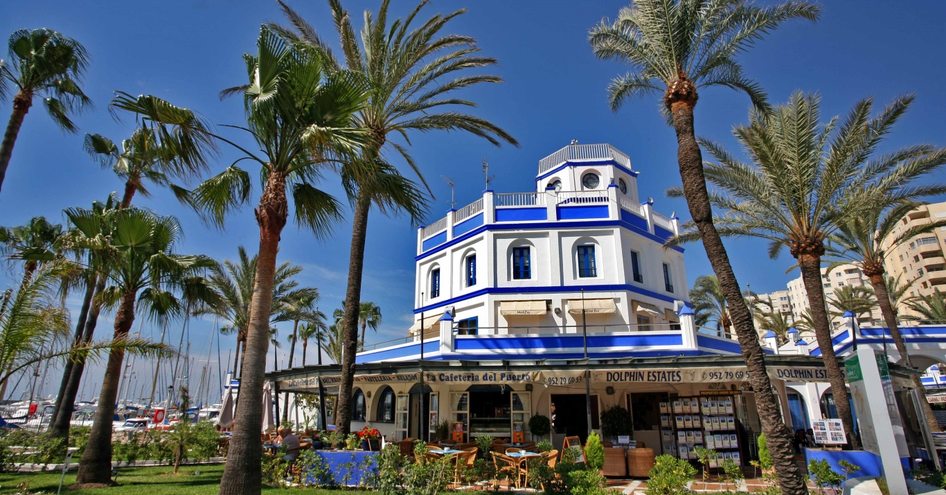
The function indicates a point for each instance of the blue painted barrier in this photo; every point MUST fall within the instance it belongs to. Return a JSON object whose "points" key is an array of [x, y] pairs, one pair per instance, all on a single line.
{"points": [[869, 462], [345, 467]]}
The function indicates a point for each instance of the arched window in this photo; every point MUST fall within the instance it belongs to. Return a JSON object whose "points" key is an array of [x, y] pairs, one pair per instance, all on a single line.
{"points": [[435, 283], [358, 405], [590, 180], [521, 263], [796, 407], [587, 267], [386, 405], [469, 267], [555, 185]]}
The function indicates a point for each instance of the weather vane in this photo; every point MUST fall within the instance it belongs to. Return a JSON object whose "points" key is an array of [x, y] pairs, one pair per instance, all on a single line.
{"points": [[453, 199], [486, 177]]}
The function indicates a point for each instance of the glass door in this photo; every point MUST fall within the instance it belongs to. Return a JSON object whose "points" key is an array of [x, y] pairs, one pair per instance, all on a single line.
{"points": [[460, 413], [400, 416], [433, 417], [520, 409]]}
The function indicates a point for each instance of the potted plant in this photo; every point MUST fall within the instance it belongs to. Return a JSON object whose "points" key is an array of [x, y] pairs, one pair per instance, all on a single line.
{"points": [[370, 438], [539, 426], [616, 421]]}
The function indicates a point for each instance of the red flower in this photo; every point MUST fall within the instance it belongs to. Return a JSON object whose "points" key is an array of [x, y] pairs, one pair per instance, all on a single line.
{"points": [[369, 432]]}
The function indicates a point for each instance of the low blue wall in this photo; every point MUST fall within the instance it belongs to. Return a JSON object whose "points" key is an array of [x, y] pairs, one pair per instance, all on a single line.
{"points": [[869, 462]]}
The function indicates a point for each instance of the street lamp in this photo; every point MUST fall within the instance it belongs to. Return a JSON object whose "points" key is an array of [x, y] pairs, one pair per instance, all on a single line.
{"points": [[584, 334], [420, 364], [850, 316], [318, 338]]}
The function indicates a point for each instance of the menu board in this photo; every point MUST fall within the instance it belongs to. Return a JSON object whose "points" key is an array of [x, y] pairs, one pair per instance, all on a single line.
{"points": [[829, 432]]}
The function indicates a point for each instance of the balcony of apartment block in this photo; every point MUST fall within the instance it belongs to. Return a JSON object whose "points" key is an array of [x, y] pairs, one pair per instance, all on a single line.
{"points": [[929, 247], [548, 209], [935, 262]]}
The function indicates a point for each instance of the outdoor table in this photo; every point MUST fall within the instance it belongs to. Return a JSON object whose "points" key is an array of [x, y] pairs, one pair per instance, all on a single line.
{"points": [[523, 458], [347, 467]]}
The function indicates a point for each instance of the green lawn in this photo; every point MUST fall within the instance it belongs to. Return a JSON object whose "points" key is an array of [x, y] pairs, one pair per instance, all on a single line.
{"points": [[191, 480]]}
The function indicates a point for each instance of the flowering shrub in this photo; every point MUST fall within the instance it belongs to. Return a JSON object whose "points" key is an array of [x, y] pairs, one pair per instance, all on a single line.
{"points": [[369, 432]]}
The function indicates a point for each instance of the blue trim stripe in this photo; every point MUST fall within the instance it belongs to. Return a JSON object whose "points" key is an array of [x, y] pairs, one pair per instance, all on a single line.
{"points": [[662, 232], [533, 290], [575, 355], [634, 219], [468, 224], [525, 214], [541, 226], [615, 164], [434, 241], [431, 347], [542, 344], [724, 345], [581, 212]]}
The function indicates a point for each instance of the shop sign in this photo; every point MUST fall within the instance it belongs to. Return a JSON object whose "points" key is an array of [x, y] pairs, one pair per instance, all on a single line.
{"points": [[481, 377]]}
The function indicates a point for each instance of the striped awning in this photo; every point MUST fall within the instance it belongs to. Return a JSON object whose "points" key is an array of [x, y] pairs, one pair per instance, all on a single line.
{"points": [[523, 308], [591, 306]]}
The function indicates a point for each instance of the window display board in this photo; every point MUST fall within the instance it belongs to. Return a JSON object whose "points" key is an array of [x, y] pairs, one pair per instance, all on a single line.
{"points": [[687, 423], [829, 432]]}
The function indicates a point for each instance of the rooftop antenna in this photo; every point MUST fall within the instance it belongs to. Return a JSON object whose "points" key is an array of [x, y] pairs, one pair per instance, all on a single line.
{"points": [[574, 141], [453, 189], [486, 177]]}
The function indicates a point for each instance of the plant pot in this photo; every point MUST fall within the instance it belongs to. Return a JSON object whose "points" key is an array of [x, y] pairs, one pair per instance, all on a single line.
{"points": [[372, 444]]}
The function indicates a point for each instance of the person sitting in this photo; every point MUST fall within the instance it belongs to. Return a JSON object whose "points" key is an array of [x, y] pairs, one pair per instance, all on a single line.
{"points": [[290, 442]]}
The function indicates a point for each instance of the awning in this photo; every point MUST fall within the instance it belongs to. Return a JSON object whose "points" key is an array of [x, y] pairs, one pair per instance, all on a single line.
{"points": [[523, 308], [591, 306], [646, 309], [432, 324]]}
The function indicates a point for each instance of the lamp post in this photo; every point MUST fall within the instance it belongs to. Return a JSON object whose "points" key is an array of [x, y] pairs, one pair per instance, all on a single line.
{"points": [[318, 378], [420, 364], [850, 316], [584, 334]]}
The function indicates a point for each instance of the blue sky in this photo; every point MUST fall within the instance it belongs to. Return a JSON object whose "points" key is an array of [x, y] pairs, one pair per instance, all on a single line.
{"points": [[554, 91]]}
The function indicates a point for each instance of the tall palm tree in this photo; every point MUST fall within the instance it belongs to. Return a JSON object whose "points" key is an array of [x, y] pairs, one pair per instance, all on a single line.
{"points": [[47, 64], [369, 316], [169, 143], [142, 267], [709, 303], [676, 47], [300, 113], [805, 181], [931, 307], [772, 319], [865, 240], [34, 244], [413, 71], [312, 329], [234, 282]]}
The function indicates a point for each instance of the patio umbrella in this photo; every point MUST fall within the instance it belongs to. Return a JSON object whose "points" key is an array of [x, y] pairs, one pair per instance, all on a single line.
{"points": [[226, 411], [268, 420]]}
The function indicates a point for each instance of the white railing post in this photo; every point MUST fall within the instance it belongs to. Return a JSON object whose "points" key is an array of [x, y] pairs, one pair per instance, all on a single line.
{"points": [[446, 333], [648, 210], [420, 239], [551, 203], [675, 223], [770, 340], [614, 209], [687, 326], [451, 215], [489, 208]]}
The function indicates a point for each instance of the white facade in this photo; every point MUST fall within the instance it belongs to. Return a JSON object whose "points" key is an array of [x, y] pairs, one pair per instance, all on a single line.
{"points": [[537, 254]]}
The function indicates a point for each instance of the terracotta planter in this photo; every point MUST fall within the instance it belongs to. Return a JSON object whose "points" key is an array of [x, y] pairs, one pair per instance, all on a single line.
{"points": [[640, 462], [614, 465]]}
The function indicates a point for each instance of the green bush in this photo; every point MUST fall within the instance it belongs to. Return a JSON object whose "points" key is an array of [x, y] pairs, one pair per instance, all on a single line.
{"points": [[669, 476], [539, 425], [390, 464], [823, 475], [616, 421], [544, 446], [765, 458], [594, 452], [704, 455]]}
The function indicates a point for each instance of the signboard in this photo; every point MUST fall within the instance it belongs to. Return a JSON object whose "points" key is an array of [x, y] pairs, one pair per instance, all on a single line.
{"points": [[829, 432]]}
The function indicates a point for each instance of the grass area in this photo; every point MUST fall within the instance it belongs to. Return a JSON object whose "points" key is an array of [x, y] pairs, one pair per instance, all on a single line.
{"points": [[190, 480]]}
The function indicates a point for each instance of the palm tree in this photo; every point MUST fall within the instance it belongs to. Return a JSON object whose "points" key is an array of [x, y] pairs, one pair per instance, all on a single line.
{"points": [[808, 179], [865, 240], [142, 267], [300, 114], [31, 323], [34, 244], [709, 303], [413, 73], [333, 345], [233, 281], [369, 316], [675, 47], [300, 306], [858, 300], [42, 63], [169, 143], [931, 307], [769, 318], [312, 329]]}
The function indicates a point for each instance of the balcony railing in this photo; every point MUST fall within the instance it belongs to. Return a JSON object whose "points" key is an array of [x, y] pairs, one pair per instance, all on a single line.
{"points": [[520, 199], [469, 210], [433, 228], [583, 152], [582, 197]]}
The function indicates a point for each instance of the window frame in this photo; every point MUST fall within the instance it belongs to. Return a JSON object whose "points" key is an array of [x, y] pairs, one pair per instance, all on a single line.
{"points": [[355, 396], [469, 270], [434, 280], [379, 416], [637, 274], [587, 266], [526, 268], [465, 329], [668, 278], [622, 185], [586, 175]]}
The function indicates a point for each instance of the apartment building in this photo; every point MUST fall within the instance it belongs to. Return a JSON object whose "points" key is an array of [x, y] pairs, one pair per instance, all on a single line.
{"points": [[922, 259]]}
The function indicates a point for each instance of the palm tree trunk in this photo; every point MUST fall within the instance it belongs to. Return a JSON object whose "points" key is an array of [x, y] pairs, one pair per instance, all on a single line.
{"points": [[242, 473], [236, 356], [60, 428], [810, 265], [890, 318], [96, 463], [305, 347], [690, 161], [364, 326], [129, 193], [292, 350], [21, 106], [356, 262], [78, 368]]}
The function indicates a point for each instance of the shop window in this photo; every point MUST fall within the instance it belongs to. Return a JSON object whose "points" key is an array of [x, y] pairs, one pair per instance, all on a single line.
{"points": [[796, 406], [358, 406], [435, 283], [521, 263], [386, 405], [468, 326], [668, 279], [636, 267], [586, 261], [470, 267]]}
